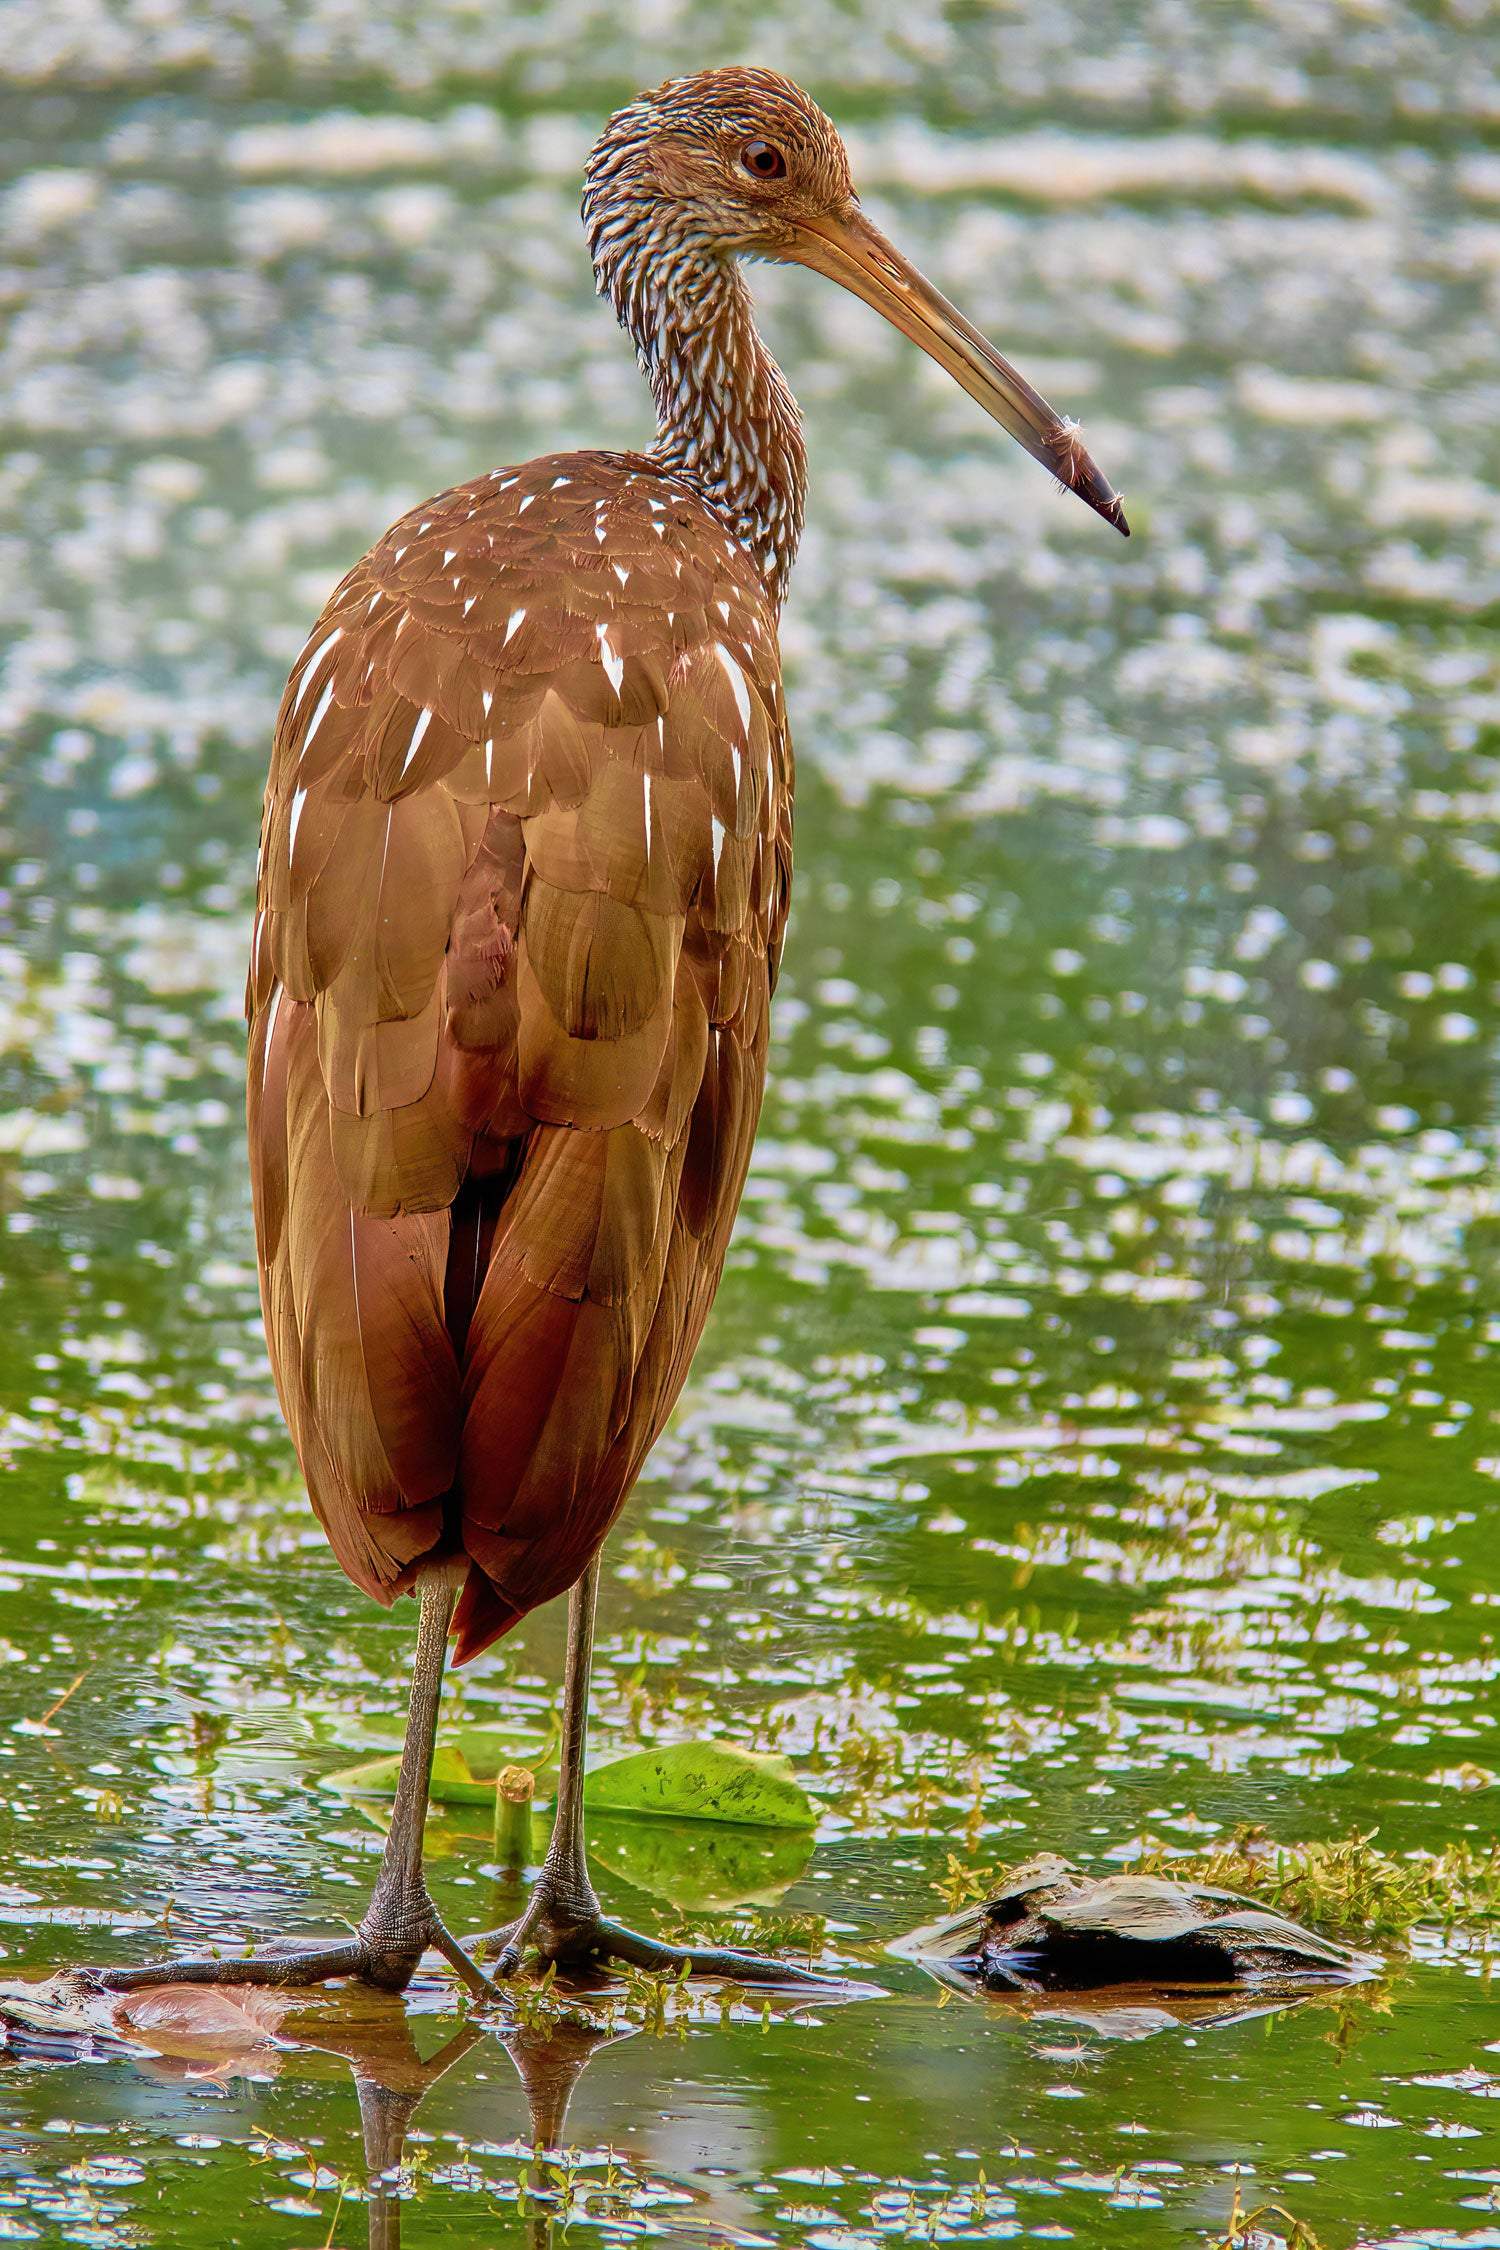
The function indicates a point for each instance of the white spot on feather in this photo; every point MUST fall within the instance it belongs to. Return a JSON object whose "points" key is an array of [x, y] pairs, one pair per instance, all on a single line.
{"points": [[513, 624], [736, 680], [270, 1032], [525, 504], [320, 713], [646, 794], [487, 700], [415, 744], [299, 799], [312, 663], [717, 827], [614, 666]]}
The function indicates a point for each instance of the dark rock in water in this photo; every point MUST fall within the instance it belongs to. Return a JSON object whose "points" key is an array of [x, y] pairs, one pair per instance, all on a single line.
{"points": [[1054, 1929]]}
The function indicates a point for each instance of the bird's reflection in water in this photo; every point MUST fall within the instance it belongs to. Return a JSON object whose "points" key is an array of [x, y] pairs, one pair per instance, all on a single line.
{"points": [[181, 2034], [377, 2034], [392, 2077]]}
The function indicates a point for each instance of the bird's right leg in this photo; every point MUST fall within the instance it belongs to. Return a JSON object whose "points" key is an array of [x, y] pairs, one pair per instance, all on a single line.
{"points": [[563, 1909], [400, 1922], [562, 1921]]}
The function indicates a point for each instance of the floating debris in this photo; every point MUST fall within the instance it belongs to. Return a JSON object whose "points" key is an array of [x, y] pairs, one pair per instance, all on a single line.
{"points": [[1054, 1929]]}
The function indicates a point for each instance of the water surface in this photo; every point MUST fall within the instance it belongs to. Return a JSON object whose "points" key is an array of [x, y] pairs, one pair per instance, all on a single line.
{"points": [[1097, 1434]]}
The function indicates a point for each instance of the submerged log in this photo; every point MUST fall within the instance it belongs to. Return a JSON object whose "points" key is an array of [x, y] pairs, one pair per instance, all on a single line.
{"points": [[1051, 1928]]}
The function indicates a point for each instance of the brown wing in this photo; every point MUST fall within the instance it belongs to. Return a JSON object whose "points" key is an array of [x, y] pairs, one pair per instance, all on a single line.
{"points": [[525, 863]]}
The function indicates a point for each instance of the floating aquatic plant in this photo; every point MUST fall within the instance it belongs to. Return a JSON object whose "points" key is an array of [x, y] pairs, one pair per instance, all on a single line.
{"points": [[1348, 1886]]}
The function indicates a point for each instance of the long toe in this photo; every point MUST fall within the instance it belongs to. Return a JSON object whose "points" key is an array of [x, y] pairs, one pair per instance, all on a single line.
{"points": [[612, 1941], [478, 1984], [386, 1960], [307, 1966]]}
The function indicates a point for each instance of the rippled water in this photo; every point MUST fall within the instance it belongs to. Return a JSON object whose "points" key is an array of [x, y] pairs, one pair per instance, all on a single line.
{"points": [[1097, 1434]]}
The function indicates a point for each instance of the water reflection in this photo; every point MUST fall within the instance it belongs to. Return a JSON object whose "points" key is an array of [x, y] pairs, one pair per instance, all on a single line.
{"points": [[398, 2048], [686, 2130], [1132, 2012], [391, 2078], [260, 2035]]}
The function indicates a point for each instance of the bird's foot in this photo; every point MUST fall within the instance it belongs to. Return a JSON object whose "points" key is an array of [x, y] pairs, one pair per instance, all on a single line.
{"points": [[563, 1925], [612, 1941], [384, 1952]]}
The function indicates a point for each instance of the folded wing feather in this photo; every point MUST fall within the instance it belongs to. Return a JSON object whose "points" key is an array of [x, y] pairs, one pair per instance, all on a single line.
{"points": [[526, 855]]}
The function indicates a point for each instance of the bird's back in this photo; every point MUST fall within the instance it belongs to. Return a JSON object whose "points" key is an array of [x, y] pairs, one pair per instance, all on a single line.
{"points": [[525, 861]]}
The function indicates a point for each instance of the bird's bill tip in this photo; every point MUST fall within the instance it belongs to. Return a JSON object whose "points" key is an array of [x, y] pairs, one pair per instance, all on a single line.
{"points": [[849, 250]]}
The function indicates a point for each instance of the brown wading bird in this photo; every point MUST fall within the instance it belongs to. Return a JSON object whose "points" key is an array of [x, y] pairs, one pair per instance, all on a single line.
{"points": [[525, 863]]}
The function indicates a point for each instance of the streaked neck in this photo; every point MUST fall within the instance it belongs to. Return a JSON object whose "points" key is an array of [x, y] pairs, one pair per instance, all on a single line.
{"points": [[727, 423]]}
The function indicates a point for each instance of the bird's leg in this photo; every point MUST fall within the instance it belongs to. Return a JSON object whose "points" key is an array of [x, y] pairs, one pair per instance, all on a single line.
{"points": [[400, 1922], [563, 1906], [562, 1921]]}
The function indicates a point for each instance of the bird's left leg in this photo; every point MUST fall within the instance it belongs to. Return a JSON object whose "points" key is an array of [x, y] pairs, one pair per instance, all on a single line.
{"points": [[562, 1921], [400, 1922]]}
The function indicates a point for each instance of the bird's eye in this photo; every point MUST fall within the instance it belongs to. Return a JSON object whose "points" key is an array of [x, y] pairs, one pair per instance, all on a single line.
{"points": [[762, 161]]}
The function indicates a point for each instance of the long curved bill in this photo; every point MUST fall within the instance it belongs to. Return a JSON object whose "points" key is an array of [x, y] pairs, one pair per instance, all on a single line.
{"points": [[849, 250]]}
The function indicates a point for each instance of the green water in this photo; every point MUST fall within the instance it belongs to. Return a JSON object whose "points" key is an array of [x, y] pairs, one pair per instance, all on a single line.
{"points": [[1097, 1433]]}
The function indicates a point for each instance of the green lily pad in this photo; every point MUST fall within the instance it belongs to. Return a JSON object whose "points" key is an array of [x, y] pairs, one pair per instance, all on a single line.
{"points": [[485, 1750], [463, 1770], [703, 1781], [452, 1782]]}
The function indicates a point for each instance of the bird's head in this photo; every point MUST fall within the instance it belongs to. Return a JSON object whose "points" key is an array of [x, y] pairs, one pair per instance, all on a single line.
{"points": [[741, 163]]}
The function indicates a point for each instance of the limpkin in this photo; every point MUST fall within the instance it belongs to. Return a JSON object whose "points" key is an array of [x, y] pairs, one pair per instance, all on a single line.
{"points": [[525, 861]]}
